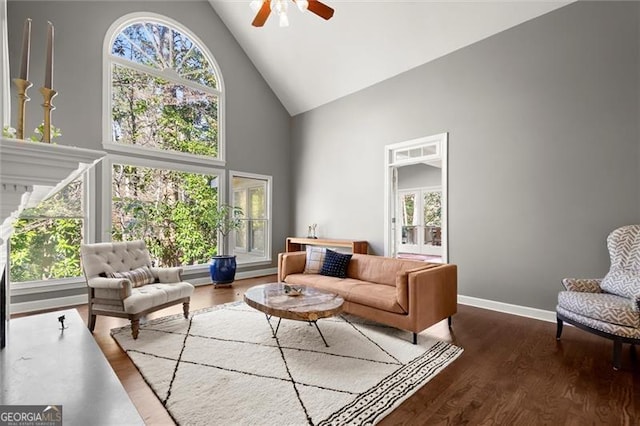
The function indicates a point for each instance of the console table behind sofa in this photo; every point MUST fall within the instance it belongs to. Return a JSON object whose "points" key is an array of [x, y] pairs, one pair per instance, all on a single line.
{"points": [[297, 244]]}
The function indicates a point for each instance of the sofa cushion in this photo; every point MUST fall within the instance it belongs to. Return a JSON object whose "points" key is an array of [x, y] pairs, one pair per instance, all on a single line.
{"points": [[113, 257], [151, 295], [607, 327], [623, 277], [138, 277], [315, 259], [341, 286], [377, 296], [379, 269], [335, 264], [601, 306]]}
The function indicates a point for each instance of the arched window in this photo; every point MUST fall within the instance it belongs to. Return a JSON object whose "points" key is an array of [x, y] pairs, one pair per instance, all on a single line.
{"points": [[164, 90], [163, 129]]}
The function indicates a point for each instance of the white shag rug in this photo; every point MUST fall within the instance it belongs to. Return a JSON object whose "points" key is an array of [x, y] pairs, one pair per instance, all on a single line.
{"points": [[223, 366]]}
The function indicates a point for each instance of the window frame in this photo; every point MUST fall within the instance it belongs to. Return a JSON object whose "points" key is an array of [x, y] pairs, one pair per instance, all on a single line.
{"points": [[108, 60], [88, 233], [267, 259], [107, 193]]}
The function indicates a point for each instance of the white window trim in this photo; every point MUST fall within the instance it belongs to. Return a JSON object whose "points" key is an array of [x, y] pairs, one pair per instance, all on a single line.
{"points": [[268, 193], [421, 188], [107, 60], [184, 158], [89, 231], [107, 194]]}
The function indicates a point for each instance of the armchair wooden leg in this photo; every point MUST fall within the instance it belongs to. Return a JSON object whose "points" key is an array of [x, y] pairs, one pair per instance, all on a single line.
{"points": [[617, 351], [415, 338], [185, 309], [559, 328], [135, 327], [449, 322]]}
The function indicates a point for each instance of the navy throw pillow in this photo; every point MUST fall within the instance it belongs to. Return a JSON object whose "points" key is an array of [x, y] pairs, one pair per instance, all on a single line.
{"points": [[335, 264]]}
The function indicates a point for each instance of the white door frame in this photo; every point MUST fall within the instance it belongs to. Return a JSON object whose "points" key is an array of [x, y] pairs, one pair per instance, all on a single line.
{"points": [[391, 163]]}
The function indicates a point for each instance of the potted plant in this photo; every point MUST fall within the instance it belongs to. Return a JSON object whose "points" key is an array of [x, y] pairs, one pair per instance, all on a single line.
{"points": [[224, 220]]}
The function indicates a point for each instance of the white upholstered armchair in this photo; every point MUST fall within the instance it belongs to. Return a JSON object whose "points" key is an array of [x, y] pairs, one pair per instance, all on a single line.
{"points": [[608, 307], [122, 283]]}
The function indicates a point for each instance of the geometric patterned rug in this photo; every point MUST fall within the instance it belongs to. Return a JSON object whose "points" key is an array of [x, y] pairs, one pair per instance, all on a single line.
{"points": [[223, 366]]}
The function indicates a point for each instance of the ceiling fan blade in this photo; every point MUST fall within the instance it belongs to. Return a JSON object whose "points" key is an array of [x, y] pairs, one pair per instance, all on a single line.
{"points": [[320, 9], [262, 15]]}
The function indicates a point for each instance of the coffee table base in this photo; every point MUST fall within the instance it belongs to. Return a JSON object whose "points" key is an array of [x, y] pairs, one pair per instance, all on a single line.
{"points": [[275, 333]]}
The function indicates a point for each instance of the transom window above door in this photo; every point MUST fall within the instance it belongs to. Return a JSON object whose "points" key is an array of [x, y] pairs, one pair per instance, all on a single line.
{"points": [[164, 91]]}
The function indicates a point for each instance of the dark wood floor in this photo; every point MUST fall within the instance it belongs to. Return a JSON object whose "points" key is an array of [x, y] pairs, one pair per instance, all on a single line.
{"points": [[512, 372]]}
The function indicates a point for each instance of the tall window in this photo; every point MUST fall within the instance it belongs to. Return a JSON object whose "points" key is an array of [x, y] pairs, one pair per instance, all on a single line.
{"points": [[165, 106], [166, 208], [164, 89], [252, 194], [46, 241]]}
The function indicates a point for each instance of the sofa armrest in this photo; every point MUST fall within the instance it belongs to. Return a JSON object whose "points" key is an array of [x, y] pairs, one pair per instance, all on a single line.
{"points": [[583, 285], [167, 275], [122, 284], [402, 285], [291, 263], [433, 295]]}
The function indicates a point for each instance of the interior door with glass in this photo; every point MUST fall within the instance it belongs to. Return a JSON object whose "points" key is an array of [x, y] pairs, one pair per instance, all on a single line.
{"points": [[432, 222], [410, 222], [420, 218]]}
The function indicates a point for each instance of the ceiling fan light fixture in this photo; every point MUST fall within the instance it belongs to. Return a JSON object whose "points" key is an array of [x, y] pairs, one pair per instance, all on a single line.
{"points": [[284, 19], [279, 6], [302, 4], [255, 5]]}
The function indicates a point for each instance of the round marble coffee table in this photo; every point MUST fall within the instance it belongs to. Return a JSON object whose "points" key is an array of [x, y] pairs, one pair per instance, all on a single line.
{"points": [[310, 305]]}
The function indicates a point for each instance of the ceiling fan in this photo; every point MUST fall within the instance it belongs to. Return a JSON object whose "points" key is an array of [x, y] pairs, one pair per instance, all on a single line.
{"points": [[264, 8]]}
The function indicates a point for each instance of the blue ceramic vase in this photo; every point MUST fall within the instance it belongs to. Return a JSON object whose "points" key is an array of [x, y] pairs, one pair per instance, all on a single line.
{"points": [[222, 269]]}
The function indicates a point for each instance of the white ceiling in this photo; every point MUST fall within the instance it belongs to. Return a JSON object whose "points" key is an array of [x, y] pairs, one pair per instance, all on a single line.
{"points": [[313, 61]]}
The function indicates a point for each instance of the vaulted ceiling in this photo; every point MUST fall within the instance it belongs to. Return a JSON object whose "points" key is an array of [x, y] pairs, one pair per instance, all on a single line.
{"points": [[313, 61]]}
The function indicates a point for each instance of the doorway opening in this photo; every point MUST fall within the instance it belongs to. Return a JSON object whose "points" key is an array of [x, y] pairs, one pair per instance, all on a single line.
{"points": [[416, 199]]}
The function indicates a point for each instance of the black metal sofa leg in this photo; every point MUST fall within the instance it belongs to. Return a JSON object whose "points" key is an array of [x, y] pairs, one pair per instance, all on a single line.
{"points": [[617, 352], [559, 328]]}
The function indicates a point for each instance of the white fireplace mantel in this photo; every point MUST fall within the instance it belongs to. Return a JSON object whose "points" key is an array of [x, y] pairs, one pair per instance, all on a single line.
{"points": [[33, 171]]}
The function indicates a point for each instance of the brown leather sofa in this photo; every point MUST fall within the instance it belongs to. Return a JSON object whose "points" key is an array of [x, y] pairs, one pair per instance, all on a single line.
{"points": [[406, 294]]}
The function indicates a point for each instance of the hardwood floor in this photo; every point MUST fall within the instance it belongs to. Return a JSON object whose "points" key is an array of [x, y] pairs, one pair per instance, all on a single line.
{"points": [[512, 372]]}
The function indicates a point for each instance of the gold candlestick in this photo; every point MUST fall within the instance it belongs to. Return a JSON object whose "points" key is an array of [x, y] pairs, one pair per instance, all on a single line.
{"points": [[22, 86], [48, 95]]}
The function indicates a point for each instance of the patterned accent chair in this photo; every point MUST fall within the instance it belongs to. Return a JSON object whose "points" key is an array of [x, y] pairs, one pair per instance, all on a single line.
{"points": [[122, 283], [608, 307]]}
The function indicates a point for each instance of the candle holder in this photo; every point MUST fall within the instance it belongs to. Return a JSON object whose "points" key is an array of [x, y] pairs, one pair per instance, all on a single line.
{"points": [[47, 95], [22, 86]]}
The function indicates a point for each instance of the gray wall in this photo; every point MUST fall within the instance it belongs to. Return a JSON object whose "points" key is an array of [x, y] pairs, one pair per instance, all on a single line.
{"points": [[257, 125], [419, 176], [544, 115]]}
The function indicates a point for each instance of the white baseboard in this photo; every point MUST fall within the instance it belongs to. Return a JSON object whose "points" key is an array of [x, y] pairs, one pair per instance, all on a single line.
{"points": [[39, 305], [508, 308], [240, 275]]}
